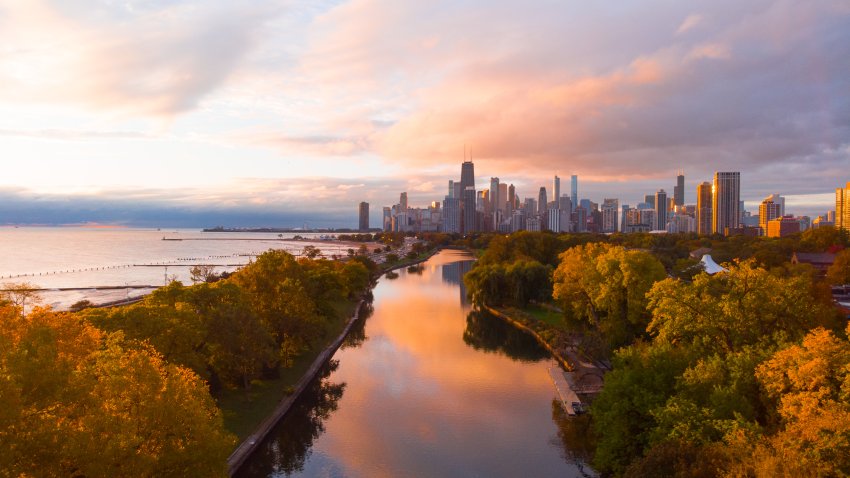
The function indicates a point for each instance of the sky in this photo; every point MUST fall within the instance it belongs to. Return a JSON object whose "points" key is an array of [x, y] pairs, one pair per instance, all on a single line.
{"points": [[282, 113]]}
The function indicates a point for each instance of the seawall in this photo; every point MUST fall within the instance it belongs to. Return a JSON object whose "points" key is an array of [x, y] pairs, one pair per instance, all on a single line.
{"points": [[253, 441]]}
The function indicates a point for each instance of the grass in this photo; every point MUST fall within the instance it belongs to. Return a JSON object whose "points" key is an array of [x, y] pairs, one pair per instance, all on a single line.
{"points": [[546, 316], [244, 410]]}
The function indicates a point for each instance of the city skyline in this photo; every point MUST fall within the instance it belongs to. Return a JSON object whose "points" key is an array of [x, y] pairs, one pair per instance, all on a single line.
{"points": [[205, 113], [717, 209]]}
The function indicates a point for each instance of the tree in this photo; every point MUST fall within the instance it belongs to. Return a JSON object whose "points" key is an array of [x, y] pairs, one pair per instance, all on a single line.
{"points": [[839, 272], [810, 385], [644, 376], [605, 286], [745, 306], [80, 305], [311, 252], [202, 273], [78, 402], [20, 294]]}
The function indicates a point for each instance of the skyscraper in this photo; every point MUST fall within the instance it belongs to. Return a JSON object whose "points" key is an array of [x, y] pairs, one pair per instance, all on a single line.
{"points": [[541, 201], [467, 175], [556, 189], [451, 215], [503, 197], [842, 208], [364, 216], [778, 200], [609, 215], [704, 222], [511, 199], [495, 200], [451, 188], [574, 190], [387, 219], [402, 201], [725, 201], [679, 190], [768, 211], [661, 210], [469, 211]]}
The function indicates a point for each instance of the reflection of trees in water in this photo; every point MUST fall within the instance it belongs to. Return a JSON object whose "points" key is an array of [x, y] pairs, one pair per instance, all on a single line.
{"points": [[486, 332], [357, 335], [575, 438], [292, 439]]}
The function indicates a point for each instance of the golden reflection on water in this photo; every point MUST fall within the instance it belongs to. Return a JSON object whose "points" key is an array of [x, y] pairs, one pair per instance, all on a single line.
{"points": [[419, 401]]}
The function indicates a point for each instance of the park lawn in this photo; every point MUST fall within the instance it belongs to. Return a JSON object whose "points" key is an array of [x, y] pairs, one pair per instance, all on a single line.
{"points": [[546, 316], [244, 410]]}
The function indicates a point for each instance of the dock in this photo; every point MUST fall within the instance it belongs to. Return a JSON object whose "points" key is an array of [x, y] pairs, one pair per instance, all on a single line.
{"points": [[566, 391]]}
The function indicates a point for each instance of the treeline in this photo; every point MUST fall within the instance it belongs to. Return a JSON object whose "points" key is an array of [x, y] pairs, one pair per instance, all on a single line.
{"points": [[245, 327], [127, 391], [743, 373]]}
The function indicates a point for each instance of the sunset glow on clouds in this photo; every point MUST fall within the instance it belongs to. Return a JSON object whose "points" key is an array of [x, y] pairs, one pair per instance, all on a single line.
{"points": [[242, 107]]}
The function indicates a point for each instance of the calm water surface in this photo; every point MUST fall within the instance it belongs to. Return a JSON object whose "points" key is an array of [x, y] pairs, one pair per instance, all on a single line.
{"points": [[427, 388], [78, 257]]}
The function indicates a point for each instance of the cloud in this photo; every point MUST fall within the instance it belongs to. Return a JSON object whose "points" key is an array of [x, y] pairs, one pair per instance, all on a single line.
{"points": [[158, 61], [73, 135], [690, 22], [622, 94], [741, 96]]}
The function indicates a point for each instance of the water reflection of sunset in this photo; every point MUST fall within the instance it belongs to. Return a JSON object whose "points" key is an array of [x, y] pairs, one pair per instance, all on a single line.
{"points": [[419, 401]]}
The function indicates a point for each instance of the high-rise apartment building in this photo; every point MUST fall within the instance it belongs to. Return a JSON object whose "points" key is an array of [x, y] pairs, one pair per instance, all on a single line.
{"points": [[495, 201], [387, 219], [451, 215], [679, 190], [624, 214], [842, 207], [660, 210], [541, 201], [704, 222], [768, 211], [503, 197], [778, 200], [556, 188], [574, 191], [565, 204], [469, 211], [725, 201], [364, 216], [609, 215]]}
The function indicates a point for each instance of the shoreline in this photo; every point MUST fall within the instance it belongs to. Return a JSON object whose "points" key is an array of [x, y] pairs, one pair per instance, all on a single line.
{"points": [[246, 448], [585, 375], [249, 445]]}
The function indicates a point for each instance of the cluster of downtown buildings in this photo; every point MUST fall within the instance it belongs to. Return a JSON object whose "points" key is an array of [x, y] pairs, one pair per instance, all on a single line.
{"points": [[719, 210]]}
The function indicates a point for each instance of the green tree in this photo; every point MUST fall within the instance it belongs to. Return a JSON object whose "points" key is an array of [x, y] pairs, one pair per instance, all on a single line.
{"points": [[745, 306], [839, 272], [605, 286], [643, 378]]}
